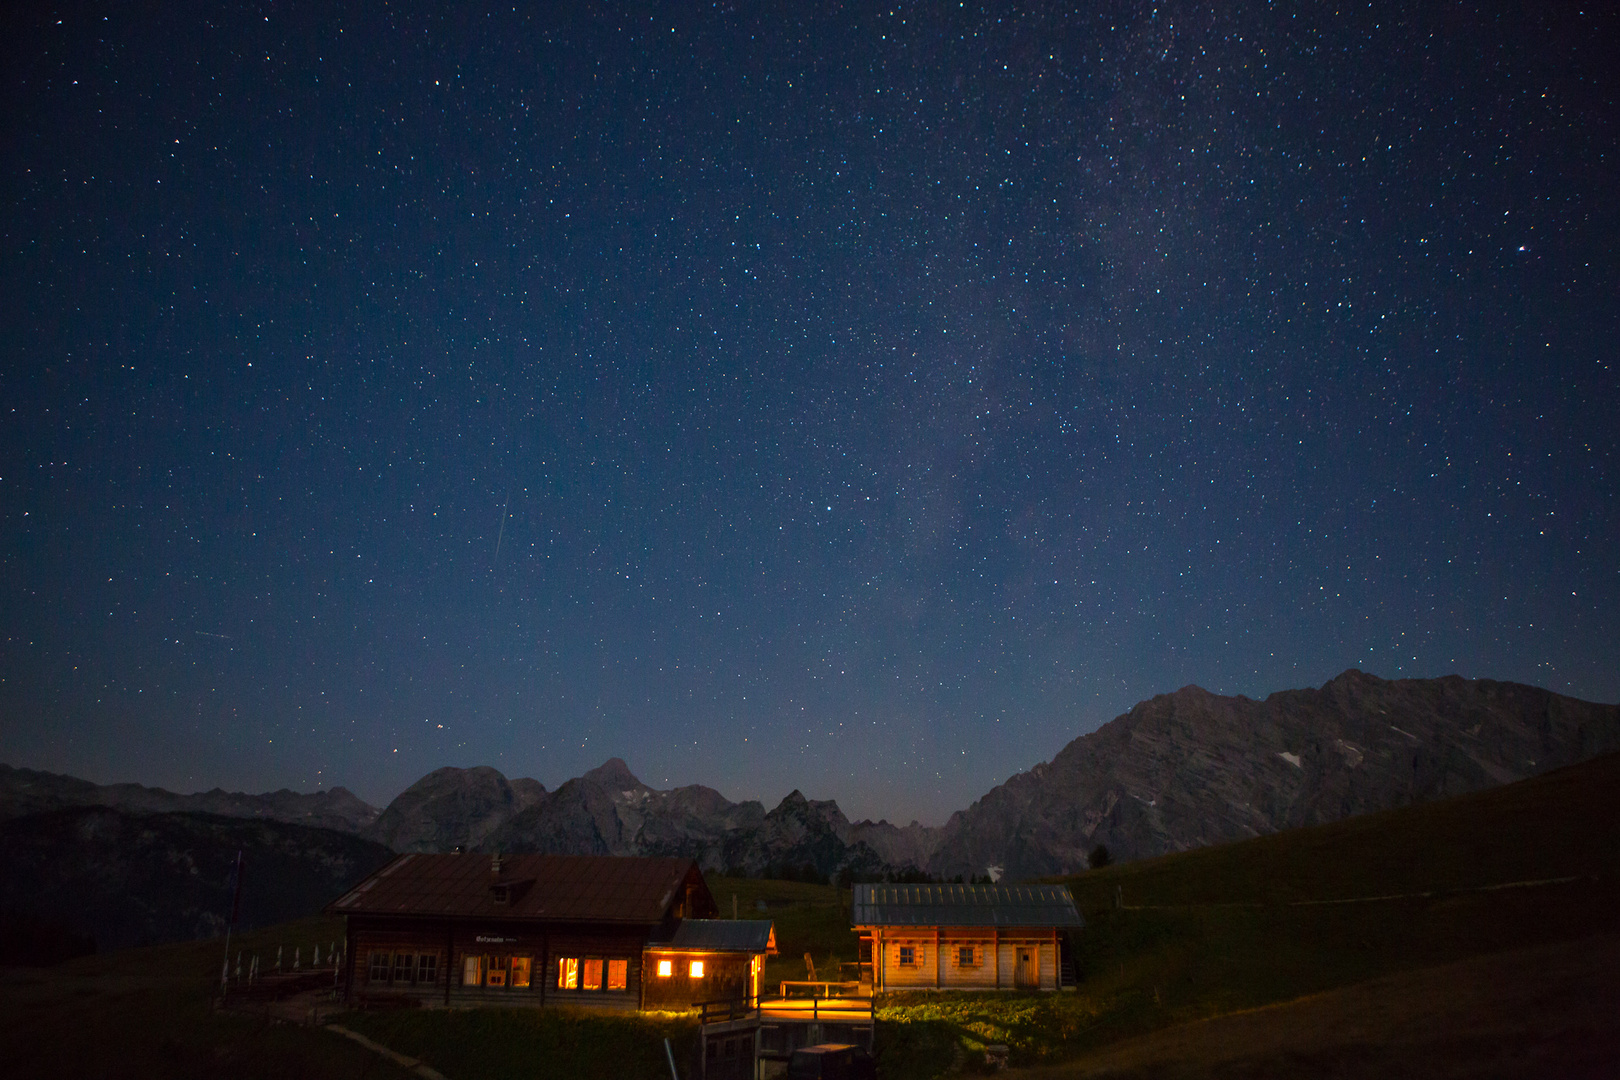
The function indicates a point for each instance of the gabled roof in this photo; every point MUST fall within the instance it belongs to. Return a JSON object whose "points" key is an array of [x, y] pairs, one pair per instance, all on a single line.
{"points": [[964, 905], [719, 935], [556, 888]]}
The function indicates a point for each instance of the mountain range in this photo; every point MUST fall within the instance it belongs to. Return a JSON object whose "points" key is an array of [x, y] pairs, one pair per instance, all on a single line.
{"points": [[27, 791], [1177, 771]]}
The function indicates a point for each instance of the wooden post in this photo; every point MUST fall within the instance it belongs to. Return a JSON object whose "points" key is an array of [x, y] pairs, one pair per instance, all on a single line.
{"points": [[449, 957], [348, 958]]}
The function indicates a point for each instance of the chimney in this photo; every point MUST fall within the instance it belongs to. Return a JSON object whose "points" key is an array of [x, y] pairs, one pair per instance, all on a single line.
{"points": [[495, 865]]}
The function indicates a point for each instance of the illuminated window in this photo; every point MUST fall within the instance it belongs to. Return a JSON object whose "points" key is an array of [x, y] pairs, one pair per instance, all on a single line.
{"points": [[618, 974], [497, 971], [567, 973], [520, 972], [666, 968], [593, 975], [697, 969], [427, 969], [472, 971]]}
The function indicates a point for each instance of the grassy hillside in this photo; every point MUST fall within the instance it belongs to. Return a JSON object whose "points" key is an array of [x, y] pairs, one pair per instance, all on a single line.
{"points": [[1543, 1011], [1562, 823]]}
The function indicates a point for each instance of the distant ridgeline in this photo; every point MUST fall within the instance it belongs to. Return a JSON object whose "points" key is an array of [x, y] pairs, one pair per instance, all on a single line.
{"points": [[122, 879], [130, 865]]}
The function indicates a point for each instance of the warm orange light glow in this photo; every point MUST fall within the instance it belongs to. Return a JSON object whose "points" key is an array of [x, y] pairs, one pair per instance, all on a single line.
{"points": [[697, 969], [666, 968]]}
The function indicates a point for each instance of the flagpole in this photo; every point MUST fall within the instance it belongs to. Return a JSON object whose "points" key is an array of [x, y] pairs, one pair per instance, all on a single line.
{"points": [[236, 905]]}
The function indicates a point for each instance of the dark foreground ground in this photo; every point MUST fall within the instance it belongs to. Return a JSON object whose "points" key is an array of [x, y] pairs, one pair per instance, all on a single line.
{"points": [[1549, 1011]]}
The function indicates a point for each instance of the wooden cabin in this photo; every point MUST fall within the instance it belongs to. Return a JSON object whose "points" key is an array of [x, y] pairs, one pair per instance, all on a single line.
{"points": [[534, 930], [707, 960], [965, 937]]}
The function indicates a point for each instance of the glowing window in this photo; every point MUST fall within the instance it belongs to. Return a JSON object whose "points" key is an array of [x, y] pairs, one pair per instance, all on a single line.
{"points": [[472, 971], [618, 974], [567, 973], [666, 968], [520, 972], [697, 969], [593, 975]]}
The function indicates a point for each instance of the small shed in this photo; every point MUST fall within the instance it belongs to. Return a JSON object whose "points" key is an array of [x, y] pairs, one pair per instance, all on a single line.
{"points": [[965, 937], [700, 960]]}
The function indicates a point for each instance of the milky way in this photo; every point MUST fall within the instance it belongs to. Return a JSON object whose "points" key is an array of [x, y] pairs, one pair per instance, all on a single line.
{"points": [[868, 403]]}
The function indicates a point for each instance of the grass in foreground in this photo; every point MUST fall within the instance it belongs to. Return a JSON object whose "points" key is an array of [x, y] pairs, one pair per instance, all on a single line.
{"points": [[1517, 1015], [148, 1013], [496, 1044]]}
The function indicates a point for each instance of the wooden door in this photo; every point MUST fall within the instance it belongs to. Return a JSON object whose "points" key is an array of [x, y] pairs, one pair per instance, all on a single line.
{"points": [[1026, 973]]}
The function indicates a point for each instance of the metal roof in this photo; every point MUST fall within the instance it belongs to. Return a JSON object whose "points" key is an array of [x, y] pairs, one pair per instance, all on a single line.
{"points": [[720, 935], [964, 905], [565, 888]]}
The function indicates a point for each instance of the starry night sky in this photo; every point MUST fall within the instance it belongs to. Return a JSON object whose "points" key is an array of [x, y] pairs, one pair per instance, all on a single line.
{"points": [[787, 396]]}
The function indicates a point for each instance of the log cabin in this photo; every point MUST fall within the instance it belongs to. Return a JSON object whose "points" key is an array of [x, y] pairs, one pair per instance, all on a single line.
{"points": [[602, 932], [965, 937]]}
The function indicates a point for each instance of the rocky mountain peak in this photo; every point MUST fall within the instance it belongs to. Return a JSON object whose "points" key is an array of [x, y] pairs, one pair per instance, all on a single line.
{"points": [[451, 807], [1192, 768], [614, 774]]}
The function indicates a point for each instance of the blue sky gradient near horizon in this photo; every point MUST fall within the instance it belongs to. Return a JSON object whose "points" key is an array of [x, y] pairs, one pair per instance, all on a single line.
{"points": [[865, 402]]}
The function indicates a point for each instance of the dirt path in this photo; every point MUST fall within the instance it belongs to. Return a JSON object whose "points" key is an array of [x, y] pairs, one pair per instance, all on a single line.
{"points": [[420, 1068]]}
